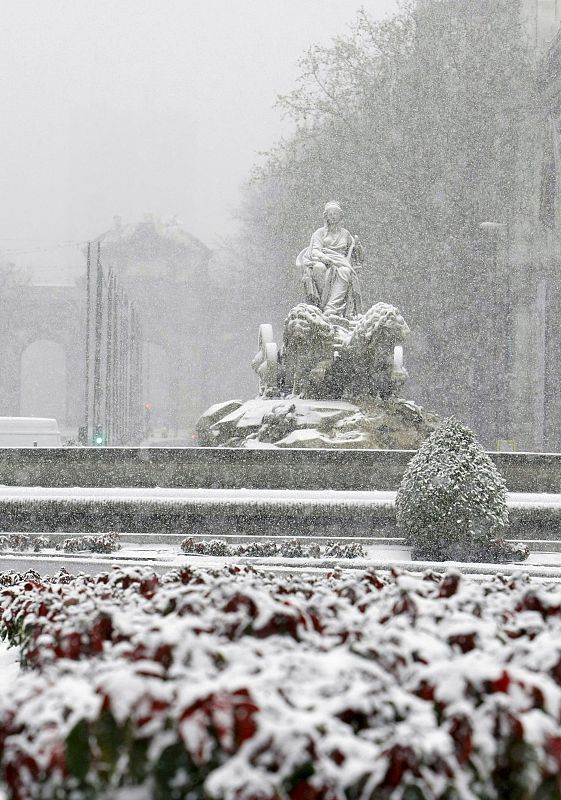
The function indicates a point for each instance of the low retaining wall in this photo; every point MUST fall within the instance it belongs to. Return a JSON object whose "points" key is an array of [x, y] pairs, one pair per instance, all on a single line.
{"points": [[225, 468]]}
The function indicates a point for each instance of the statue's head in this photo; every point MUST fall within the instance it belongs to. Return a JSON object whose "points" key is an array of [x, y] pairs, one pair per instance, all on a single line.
{"points": [[332, 213]]}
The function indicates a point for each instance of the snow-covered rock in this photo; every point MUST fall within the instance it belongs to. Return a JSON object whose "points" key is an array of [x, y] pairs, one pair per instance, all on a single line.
{"points": [[296, 422]]}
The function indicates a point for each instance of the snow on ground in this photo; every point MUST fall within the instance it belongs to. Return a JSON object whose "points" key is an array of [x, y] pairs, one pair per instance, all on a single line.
{"points": [[162, 558], [208, 495], [9, 670], [328, 496], [538, 500], [375, 553]]}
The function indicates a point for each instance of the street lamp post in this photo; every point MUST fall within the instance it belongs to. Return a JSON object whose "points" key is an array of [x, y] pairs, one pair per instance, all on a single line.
{"points": [[500, 330], [85, 436]]}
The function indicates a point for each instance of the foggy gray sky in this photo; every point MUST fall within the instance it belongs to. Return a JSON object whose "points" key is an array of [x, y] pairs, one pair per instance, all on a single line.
{"points": [[132, 106]]}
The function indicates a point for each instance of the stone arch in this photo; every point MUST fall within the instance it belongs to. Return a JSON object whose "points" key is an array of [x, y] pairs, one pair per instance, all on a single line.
{"points": [[43, 380]]}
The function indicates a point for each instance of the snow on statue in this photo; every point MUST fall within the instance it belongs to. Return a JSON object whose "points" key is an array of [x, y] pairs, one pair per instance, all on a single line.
{"points": [[330, 265], [334, 381], [331, 358]]}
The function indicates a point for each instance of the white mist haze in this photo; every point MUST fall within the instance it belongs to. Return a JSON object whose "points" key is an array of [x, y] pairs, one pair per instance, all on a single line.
{"points": [[122, 107]]}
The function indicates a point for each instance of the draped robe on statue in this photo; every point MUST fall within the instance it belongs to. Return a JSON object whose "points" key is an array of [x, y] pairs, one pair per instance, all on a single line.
{"points": [[334, 287]]}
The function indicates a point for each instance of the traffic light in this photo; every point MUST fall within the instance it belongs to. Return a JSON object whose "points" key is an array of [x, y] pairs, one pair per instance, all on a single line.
{"points": [[99, 437]]}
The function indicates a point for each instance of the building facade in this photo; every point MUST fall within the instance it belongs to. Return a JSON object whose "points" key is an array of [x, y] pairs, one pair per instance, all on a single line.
{"points": [[531, 254], [165, 272]]}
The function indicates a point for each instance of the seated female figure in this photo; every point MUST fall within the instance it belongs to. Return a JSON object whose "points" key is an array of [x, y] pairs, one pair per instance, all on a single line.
{"points": [[330, 265]]}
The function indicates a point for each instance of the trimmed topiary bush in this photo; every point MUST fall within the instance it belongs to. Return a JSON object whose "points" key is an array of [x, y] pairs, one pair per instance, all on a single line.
{"points": [[452, 501]]}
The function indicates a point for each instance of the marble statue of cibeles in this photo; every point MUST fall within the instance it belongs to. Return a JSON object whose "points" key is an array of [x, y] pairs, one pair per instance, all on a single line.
{"points": [[330, 266]]}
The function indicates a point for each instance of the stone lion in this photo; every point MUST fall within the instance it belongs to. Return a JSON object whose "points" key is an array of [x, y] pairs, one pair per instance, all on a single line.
{"points": [[308, 350], [371, 349]]}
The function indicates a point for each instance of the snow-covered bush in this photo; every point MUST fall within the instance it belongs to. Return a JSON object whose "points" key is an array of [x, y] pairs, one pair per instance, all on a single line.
{"points": [[256, 549], [41, 543], [104, 543], [210, 547], [268, 549], [12, 577], [100, 543], [23, 541], [235, 685], [452, 500], [16, 541], [74, 544], [334, 549]]}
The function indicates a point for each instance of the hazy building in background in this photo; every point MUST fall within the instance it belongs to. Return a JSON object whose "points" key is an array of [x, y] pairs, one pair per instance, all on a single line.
{"points": [[164, 271], [527, 253]]}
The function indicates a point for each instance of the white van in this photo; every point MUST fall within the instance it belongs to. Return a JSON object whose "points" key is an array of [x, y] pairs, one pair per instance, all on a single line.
{"points": [[29, 432]]}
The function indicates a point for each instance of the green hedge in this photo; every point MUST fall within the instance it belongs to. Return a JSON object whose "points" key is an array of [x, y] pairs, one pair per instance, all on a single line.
{"points": [[143, 516]]}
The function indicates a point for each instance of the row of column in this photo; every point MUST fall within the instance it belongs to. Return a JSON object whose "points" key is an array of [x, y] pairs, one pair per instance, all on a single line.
{"points": [[113, 354]]}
